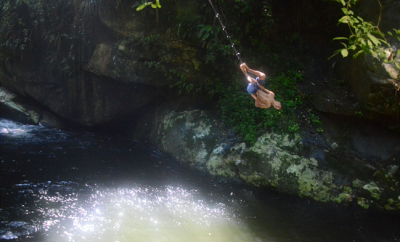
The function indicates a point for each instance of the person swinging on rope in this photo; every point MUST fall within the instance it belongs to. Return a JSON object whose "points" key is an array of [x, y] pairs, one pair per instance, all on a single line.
{"points": [[263, 98]]}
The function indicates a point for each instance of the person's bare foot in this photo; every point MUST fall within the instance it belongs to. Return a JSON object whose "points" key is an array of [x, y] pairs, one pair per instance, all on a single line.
{"points": [[245, 66]]}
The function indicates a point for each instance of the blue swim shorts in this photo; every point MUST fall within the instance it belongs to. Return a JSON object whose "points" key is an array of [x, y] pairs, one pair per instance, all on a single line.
{"points": [[252, 88]]}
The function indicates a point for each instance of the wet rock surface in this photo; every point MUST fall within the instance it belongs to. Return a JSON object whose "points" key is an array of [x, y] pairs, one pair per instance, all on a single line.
{"points": [[13, 106]]}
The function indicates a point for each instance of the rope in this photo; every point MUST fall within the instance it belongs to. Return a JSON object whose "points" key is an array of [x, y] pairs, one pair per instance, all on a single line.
{"points": [[226, 32]]}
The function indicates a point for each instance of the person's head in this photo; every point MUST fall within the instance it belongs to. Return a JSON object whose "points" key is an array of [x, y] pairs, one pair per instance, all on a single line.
{"points": [[277, 105]]}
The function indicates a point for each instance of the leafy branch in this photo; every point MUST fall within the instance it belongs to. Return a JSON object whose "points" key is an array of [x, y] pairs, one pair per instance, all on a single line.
{"points": [[153, 5], [365, 37], [156, 6]]}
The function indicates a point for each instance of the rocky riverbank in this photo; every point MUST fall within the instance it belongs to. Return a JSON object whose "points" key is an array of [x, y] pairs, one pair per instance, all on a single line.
{"points": [[115, 71]]}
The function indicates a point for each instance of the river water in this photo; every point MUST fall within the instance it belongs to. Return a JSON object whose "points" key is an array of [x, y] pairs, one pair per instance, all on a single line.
{"points": [[59, 185]]}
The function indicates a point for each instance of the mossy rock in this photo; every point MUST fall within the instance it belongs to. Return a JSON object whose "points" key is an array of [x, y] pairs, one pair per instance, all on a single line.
{"points": [[189, 136]]}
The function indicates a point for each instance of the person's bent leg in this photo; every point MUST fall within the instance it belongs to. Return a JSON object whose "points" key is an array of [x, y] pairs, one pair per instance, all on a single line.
{"points": [[261, 76], [248, 77]]}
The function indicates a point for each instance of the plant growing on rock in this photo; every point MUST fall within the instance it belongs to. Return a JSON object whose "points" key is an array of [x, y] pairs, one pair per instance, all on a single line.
{"points": [[249, 122]]}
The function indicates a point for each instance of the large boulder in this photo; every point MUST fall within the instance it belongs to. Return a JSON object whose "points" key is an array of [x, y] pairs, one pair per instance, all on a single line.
{"points": [[189, 136], [334, 101], [109, 67], [12, 106], [86, 99], [374, 84], [276, 160], [15, 107], [105, 61]]}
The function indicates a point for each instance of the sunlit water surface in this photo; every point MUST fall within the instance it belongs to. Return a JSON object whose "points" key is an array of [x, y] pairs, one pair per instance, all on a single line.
{"points": [[78, 186]]}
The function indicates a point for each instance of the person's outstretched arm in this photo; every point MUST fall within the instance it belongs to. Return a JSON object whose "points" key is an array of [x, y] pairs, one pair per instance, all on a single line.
{"points": [[263, 88]]}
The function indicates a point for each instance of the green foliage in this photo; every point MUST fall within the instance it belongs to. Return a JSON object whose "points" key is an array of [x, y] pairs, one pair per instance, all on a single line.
{"points": [[315, 119], [17, 26], [396, 34], [365, 36], [395, 128], [162, 61], [249, 122], [52, 30], [316, 122], [87, 7], [358, 114], [197, 24], [153, 5], [144, 4], [238, 111], [207, 33], [183, 84]]}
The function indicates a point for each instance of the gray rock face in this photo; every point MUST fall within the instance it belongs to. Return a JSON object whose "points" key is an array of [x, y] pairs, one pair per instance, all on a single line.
{"points": [[110, 72], [374, 85], [189, 136], [13, 107], [333, 101], [380, 68], [87, 100], [275, 161], [105, 61]]}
